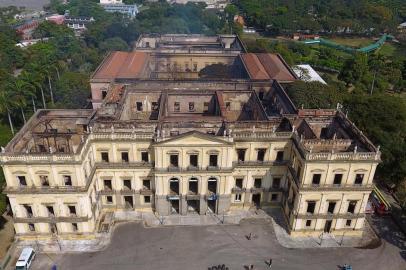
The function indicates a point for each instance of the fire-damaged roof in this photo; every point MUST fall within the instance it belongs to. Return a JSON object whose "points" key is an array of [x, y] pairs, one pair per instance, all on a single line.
{"points": [[267, 66]]}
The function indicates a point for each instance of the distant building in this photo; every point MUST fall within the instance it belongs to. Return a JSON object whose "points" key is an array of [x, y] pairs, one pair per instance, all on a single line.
{"points": [[78, 24], [118, 6], [26, 29], [308, 74], [213, 4], [109, 2], [57, 19], [402, 27]]}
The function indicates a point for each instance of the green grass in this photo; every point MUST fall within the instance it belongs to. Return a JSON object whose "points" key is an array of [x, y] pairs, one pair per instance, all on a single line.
{"points": [[353, 42]]}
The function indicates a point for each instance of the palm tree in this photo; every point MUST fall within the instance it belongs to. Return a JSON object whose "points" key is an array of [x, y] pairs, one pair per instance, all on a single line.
{"points": [[7, 103]]}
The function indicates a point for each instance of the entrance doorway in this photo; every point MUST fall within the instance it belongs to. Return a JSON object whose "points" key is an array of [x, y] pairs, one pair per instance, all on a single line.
{"points": [[327, 226], [193, 206], [211, 206], [174, 207], [256, 200]]}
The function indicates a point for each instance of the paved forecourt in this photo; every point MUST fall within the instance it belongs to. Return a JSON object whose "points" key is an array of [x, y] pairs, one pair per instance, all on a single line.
{"points": [[199, 247]]}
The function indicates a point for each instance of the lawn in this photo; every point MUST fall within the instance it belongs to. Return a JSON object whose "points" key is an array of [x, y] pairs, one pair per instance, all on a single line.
{"points": [[352, 42]]}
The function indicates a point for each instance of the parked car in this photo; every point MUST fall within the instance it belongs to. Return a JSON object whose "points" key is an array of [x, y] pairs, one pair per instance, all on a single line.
{"points": [[25, 260]]}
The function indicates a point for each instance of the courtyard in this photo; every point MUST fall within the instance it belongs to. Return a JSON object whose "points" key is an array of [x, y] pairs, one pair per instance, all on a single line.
{"points": [[198, 247]]}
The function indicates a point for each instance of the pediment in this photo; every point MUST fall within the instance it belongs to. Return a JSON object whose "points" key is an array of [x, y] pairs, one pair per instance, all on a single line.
{"points": [[194, 138]]}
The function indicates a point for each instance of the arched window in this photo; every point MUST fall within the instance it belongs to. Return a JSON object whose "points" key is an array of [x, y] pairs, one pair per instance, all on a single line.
{"points": [[212, 185], [193, 185], [174, 186]]}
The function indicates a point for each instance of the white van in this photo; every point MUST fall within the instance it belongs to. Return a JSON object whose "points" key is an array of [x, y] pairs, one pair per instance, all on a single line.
{"points": [[25, 259]]}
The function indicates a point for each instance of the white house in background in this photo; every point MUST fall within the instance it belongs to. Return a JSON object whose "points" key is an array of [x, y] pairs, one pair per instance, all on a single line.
{"points": [[109, 2], [307, 73]]}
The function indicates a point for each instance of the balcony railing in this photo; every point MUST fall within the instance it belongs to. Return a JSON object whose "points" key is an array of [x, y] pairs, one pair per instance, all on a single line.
{"points": [[238, 190], [330, 215], [54, 219], [256, 190]]}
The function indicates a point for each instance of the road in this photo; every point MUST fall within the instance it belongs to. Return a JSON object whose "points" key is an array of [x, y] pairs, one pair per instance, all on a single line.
{"points": [[199, 247]]}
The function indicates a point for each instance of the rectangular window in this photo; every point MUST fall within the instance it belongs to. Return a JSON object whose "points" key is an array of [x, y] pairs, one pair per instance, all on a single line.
{"points": [[144, 156], [311, 205], [308, 223], [28, 210], [107, 184], [176, 107], [193, 186], [331, 207], [21, 180], [104, 94], [316, 179], [257, 182], [191, 106], [44, 180], [276, 183], [105, 156], [154, 106], [359, 177], [109, 199], [74, 227], [241, 154], [237, 197], [238, 182], [206, 107], [147, 199], [193, 160], [174, 160], [127, 184], [279, 156], [146, 184], [194, 67], [67, 180], [337, 179], [274, 197], [261, 154], [72, 210], [351, 207], [50, 209], [348, 222], [228, 106], [139, 106], [31, 227], [124, 157], [213, 161]]}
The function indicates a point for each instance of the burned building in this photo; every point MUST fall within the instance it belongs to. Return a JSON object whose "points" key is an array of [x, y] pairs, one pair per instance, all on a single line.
{"points": [[188, 125]]}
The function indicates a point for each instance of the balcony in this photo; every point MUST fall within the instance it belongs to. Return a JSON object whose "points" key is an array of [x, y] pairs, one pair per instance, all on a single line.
{"points": [[192, 196], [332, 187], [254, 163], [107, 191], [146, 191], [49, 219], [238, 190], [330, 216], [193, 168], [43, 189], [257, 190], [127, 191]]}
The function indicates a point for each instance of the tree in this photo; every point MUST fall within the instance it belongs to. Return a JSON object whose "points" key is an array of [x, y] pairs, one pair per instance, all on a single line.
{"points": [[383, 118], [72, 90]]}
